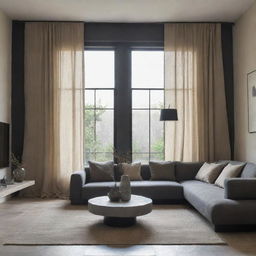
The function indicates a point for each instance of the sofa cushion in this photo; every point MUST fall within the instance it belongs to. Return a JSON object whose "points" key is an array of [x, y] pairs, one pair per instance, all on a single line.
{"points": [[230, 171], [162, 170], [209, 172], [249, 171], [187, 170], [94, 189], [133, 170], [101, 171], [209, 201], [158, 190]]}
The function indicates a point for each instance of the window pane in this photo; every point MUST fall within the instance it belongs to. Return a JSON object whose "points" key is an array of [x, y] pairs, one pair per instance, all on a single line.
{"points": [[104, 130], [89, 156], [143, 158], [156, 132], [157, 156], [89, 98], [104, 98], [99, 69], [157, 99], [103, 157], [140, 99], [140, 131], [147, 69]]}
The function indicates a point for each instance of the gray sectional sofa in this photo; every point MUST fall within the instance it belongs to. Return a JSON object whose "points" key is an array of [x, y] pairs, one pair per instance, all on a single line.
{"points": [[228, 208]]}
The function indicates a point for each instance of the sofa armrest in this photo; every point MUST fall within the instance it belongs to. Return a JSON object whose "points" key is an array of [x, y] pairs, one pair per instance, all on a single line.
{"points": [[77, 181], [240, 189]]}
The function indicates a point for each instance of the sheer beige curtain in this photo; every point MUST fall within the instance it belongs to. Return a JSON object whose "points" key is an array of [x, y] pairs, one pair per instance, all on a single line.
{"points": [[54, 77], [194, 84]]}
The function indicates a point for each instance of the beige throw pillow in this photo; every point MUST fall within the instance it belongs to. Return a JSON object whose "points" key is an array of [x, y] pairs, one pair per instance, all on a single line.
{"points": [[132, 170], [209, 172], [230, 171]]}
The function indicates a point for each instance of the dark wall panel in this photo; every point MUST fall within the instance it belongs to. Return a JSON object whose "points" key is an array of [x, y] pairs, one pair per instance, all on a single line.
{"points": [[124, 32], [18, 101], [227, 52]]}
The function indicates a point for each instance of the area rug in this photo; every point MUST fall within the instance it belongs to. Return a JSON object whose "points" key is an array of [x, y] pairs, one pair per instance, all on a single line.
{"points": [[56, 222]]}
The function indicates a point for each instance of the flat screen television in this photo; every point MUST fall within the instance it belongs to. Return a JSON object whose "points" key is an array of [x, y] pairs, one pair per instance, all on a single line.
{"points": [[4, 144]]}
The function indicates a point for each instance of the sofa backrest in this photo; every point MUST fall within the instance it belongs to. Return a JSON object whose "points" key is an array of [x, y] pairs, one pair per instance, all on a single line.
{"points": [[249, 171], [183, 171], [186, 170]]}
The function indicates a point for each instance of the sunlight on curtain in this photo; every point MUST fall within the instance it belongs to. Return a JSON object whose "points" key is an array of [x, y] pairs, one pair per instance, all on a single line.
{"points": [[194, 84], [54, 78]]}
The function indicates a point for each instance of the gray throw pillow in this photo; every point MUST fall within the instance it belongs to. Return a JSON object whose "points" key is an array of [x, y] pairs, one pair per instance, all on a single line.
{"points": [[132, 170], [163, 170], [230, 171], [209, 172], [101, 171]]}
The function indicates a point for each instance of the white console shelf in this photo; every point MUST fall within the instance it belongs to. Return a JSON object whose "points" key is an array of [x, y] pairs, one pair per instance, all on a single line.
{"points": [[17, 186]]}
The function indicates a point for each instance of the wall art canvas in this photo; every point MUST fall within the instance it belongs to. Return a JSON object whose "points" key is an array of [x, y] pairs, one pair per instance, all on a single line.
{"points": [[251, 87]]}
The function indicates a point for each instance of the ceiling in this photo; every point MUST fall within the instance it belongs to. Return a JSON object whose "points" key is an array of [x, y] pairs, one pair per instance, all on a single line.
{"points": [[126, 10]]}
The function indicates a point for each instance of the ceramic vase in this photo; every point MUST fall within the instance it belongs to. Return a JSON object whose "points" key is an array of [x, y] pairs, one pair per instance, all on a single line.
{"points": [[114, 194], [125, 188], [19, 174]]}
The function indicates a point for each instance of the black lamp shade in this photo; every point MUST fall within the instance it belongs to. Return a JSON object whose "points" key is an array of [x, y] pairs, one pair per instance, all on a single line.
{"points": [[169, 114]]}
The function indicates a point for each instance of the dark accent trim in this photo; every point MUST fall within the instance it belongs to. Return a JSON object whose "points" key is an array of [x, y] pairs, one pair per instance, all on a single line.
{"points": [[17, 96], [227, 54]]}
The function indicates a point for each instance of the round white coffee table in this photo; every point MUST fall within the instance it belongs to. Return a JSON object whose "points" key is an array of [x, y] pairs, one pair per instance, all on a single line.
{"points": [[120, 213]]}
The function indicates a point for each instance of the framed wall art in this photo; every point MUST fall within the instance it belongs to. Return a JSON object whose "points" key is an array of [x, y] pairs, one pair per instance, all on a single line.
{"points": [[251, 94]]}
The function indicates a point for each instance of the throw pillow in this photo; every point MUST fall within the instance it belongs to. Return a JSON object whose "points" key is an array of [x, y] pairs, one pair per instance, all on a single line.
{"points": [[101, 171], [132, 170], [230, 171], [162, 170], [209, 172]]}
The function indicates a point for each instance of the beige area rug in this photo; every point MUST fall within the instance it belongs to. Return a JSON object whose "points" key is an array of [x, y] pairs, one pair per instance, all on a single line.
{"points": [[56, 222]]}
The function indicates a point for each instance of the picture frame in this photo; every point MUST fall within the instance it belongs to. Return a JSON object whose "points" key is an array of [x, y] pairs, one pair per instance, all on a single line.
{"points": [[251, 100]]}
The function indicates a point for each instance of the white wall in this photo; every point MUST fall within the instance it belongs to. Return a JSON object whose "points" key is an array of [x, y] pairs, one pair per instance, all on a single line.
{"points": [[5, 73], [244, 62]]}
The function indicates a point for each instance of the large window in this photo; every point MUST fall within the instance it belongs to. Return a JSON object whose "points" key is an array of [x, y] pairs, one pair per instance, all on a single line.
{"points": [[147, 100], [99, 105], [124, 92]]}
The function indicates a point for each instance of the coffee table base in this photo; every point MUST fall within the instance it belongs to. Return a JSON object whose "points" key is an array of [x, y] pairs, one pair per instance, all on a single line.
{"points": [[119, 222]]}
